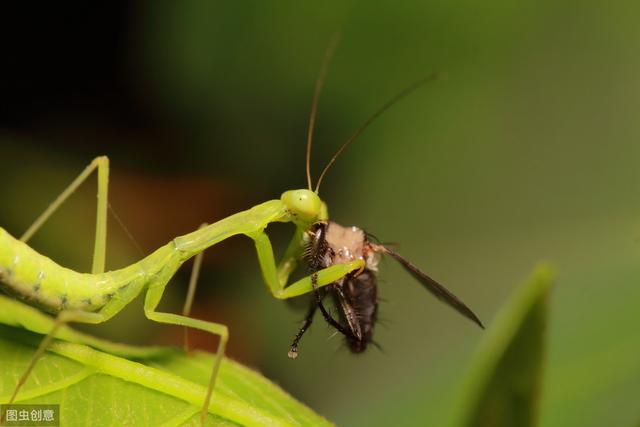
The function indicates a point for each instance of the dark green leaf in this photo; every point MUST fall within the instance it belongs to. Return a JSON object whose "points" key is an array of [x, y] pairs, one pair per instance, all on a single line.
{"points": [[99, 389], [506, 376]]}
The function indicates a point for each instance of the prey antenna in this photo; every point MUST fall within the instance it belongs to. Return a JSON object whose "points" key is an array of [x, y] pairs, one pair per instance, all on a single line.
{"points": [[406, 91], [328, 54]]}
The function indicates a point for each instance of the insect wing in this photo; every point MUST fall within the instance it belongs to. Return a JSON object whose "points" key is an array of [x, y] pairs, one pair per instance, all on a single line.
{"points": [[347, 308], [434, 287]]}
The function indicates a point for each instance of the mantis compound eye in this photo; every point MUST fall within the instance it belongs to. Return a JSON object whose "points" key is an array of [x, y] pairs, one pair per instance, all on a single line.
{"points": [[305, 204]]}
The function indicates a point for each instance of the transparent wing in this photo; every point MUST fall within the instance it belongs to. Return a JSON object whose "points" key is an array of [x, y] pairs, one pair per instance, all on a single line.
{"points": [[434, 287]]}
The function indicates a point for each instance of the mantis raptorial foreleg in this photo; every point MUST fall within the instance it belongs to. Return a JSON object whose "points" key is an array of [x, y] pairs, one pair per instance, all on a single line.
{"points": [[276, 277]]}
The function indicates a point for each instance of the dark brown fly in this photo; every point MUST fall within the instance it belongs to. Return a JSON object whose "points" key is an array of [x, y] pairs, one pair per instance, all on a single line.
{"points": [[356, 294]]}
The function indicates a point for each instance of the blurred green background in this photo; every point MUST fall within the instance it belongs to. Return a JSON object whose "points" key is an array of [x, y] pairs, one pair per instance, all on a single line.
{"points": [[527, 151]]}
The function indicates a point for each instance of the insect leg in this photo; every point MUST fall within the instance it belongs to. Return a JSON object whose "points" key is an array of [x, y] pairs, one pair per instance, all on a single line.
{"points": [[276, 282], [107, 312], [99, 250], [325, 277], [152, 299], [63, 318], [193, 283], [315, 304], [292, 255], [327, 316], [293, 350]]}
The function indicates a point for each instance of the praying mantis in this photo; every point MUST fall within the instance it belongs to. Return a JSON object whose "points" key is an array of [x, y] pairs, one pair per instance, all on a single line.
{"points": [[96, 297]]}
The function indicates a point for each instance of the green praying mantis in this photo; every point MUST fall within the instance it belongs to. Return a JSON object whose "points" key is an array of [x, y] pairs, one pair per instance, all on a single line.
{"points": [[98, 296]]}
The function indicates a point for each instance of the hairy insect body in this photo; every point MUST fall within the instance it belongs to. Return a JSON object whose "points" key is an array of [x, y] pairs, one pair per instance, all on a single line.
{"points": [[358, 298], [356, 294], [37, 279]]}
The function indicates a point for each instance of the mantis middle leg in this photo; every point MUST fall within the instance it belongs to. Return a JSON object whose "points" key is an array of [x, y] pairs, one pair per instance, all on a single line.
{"points": [[193, 283], [152, 299]]}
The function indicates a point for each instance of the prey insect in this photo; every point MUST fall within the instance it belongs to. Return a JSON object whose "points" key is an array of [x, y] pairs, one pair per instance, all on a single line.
{"points": [[356, 294], [96, 297], [329, 244]]}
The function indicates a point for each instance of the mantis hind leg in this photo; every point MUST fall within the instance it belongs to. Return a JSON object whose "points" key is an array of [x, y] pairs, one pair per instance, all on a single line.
{"points": [[62, 319], [99, 251]]}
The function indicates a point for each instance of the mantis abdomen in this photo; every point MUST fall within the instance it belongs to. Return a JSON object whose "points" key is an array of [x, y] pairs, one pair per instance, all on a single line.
{"points": [[42, 282]]}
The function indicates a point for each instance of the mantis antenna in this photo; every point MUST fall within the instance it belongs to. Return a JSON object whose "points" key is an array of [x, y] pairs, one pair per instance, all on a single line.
{"points": [[406, 91], [328, 54]]}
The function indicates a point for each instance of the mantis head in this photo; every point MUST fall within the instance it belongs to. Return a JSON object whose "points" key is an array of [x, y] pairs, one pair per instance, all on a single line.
{"points": [[305, 206]]}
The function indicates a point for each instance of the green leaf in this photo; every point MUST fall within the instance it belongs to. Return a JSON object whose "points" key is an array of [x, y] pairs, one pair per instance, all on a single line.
{"points": [[504, 384], [165, 388]]}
